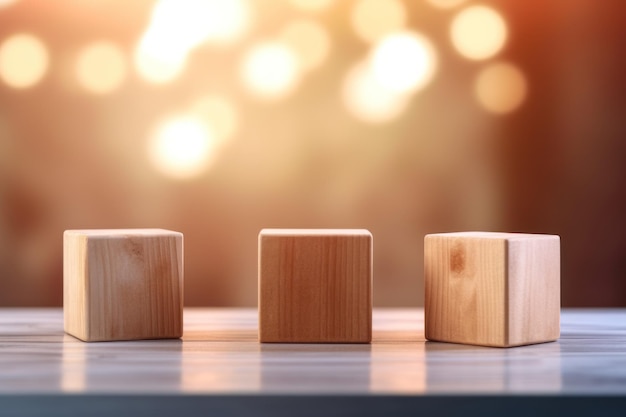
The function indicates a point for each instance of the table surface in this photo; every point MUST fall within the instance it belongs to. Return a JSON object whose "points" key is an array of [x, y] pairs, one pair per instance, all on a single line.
{"points": [[219, 355]]}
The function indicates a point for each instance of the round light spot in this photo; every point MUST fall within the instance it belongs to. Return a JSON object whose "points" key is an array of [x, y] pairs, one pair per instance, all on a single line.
{"points": [[182, 147], [23, 60], [500, 88], [219, 113], [404, 62], [178, 26], [191, 22], [478, 32], [311, 5], [446, 4], [270, 70], [373, 19], [369, 101], [101, 67], [158, 58], [309, 40]]}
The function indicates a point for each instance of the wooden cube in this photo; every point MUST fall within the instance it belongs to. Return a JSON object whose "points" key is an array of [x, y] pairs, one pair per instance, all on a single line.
{"points": [[492, 289], [315, 286], [123, 284]]}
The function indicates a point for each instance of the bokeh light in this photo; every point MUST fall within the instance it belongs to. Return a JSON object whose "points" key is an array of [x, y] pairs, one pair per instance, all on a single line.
{"points": [[309, 40], [178, 26], [404, 62], [219, 113], [478, 32], [311, 5], [23, 60], [101, 67], [373, 19], [446, 4], [369, 101], [191, 22], [6, 3], [157, 59], [182, 147], [270, 70], [500, 88]]}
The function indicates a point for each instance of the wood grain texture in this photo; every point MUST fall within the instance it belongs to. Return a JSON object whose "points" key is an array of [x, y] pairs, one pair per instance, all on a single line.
{"points": [[492, 289], [315, 286], [123, 284], [219, 354], [534, 296]]}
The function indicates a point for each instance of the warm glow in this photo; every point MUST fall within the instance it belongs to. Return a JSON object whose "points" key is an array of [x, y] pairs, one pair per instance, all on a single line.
{"points": [[191, 22], [23, 60], [101, 67], [446, 4], [74, 358], [178, 26], [182, 147], [478, 32], [6, 3], [270, 70], [500, 88], [404, 62], [309, 40], [373, 19], [219, 114], [369, 101], [158, 59], [311, 5]]}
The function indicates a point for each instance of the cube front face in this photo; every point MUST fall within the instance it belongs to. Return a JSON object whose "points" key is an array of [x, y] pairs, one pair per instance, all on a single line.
{"points": [[315, 286], [492, 289], [123, 284], [465, 294]]}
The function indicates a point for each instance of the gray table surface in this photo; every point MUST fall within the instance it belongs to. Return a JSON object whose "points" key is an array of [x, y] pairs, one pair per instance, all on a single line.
{"points": [[220, 358]]}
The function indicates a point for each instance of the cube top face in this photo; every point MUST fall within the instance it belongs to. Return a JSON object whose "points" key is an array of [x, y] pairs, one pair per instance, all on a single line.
{"points": [[315, 286], [120, 233], [124, 284], [315, 232], [494, 235], [492, 289]]}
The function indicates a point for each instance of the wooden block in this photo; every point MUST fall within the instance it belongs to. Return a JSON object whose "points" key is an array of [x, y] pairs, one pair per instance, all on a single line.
{"points": [[123, 284], [315, 286], [492, 289]]}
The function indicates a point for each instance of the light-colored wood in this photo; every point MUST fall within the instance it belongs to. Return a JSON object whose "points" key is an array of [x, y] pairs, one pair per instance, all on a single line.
{"points": [[315, 286], [123, 284], [492, 289]]}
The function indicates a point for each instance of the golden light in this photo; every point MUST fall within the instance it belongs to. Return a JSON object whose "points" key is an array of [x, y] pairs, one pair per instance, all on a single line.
{"points": [[404, 62], [23, 60], [311, 5], [101, 67], [6, 3], [270, 70], [182, 147], [368, 100], [178, 26], [158, 65], [309, 40], [446, 4], [219, 113], [192, 22], [373, 19], [478, 32], [500, 88]]}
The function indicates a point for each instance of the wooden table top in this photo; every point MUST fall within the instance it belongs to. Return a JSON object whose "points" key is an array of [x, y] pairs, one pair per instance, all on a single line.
{"points": [[219, 357]]}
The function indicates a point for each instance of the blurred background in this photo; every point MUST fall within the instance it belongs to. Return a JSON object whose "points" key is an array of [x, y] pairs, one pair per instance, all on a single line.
{"points": [[218, 118]]}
